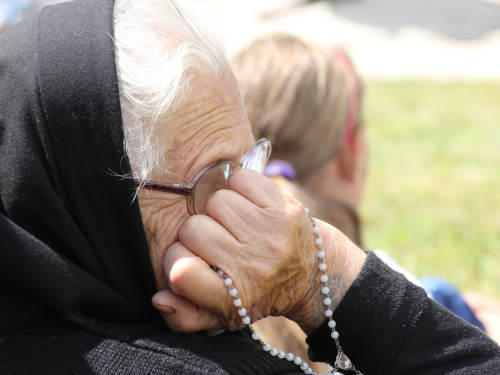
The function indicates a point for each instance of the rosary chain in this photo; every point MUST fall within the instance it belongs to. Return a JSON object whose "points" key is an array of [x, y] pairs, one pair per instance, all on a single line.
{"points": [[342, 362]]}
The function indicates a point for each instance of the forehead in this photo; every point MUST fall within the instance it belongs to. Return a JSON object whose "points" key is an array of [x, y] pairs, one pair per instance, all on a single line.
{"points": [[211, 125]]}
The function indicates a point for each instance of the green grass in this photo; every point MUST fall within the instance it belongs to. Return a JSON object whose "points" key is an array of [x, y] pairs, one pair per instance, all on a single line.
{"points": [[433, 192]]}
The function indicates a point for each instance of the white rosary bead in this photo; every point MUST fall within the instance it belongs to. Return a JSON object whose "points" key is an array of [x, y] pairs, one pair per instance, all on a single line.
{"points": [[307, 210], [327, 301]]}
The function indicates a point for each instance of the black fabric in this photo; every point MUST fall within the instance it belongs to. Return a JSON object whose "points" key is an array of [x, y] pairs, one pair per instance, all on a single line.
{"points": [[71, 238], [387, 325], [52, 346]]}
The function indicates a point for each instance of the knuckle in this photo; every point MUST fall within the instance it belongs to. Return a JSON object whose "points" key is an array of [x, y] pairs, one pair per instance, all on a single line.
{"points": [[296, 215], [191, 225], [232, 321], [172, 250], [179, 277]]}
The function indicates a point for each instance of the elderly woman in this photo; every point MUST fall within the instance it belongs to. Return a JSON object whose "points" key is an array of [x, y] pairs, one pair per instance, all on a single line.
{"points": [[121, 130]]}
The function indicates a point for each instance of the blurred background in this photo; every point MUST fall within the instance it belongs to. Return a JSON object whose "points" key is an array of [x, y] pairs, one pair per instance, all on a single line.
{"points": [[432, 71], [13, 11]]}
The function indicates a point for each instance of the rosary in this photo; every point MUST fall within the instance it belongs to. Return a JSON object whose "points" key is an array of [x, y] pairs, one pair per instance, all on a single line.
{"points": [[342, 362]]}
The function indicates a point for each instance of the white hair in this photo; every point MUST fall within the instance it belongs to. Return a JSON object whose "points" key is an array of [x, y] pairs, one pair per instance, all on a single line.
{"points": [[160, 45]]}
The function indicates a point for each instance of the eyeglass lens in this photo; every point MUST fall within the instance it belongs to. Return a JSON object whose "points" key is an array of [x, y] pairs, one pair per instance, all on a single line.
{"points": [[211, 181], [257, 157], [216, 178]]}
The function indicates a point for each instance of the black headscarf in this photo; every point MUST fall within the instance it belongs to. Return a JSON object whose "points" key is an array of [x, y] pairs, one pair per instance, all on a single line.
{"points": [[71, 236]]}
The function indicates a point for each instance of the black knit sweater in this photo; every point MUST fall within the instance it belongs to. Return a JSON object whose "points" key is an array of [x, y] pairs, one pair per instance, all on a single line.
{"points": [[387, 326]]}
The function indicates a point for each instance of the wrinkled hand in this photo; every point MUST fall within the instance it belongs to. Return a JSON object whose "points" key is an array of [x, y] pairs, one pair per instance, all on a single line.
{"points": [[262, 239]]}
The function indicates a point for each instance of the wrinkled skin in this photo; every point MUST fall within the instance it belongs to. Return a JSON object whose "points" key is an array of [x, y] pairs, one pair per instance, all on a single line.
{"points": [[258, 235]]}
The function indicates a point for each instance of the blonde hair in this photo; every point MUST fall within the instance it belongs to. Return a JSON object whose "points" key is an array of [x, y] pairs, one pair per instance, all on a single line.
{"points": [[297, 94]]}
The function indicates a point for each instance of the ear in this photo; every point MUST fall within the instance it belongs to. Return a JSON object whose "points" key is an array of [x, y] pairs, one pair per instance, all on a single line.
{"points": [[348, 159]]}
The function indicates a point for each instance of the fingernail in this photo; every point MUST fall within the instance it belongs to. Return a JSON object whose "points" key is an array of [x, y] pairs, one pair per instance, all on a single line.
{"points": [[166, 310]]}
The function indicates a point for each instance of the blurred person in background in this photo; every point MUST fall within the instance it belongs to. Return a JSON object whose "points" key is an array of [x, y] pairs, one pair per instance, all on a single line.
{"points": [[13, 11], [307, 100]]}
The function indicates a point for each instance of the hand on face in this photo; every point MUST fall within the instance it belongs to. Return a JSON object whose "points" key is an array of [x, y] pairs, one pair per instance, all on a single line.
{"points": [[261, 238]]}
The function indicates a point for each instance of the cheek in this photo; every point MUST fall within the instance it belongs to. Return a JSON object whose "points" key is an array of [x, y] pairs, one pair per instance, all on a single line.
{"points": [[162, 225]]}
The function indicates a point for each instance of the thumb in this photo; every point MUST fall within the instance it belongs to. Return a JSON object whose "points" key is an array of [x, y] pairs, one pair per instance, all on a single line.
{"points": [[181, 315]]}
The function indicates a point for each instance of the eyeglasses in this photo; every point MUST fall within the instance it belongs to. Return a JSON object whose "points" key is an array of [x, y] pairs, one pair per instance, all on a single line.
{"points": [[213, 177]]}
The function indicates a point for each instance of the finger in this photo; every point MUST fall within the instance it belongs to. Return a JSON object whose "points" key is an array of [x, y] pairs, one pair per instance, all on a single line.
{"points": [[236, 214], [208, 239], [242, 258], [182, 315], [185, 271], [192, 278], [258, 189], [253, 226]]}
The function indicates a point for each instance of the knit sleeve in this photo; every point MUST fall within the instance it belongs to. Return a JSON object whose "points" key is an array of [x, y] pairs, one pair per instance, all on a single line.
{"points": [[387, 325]]}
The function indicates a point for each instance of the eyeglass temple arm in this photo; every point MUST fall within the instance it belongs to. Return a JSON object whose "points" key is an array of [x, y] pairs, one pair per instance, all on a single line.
{"points": [[178, 189]]}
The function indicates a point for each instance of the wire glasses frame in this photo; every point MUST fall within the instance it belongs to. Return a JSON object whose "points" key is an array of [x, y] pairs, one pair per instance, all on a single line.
{"points": [[212, 178]]}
